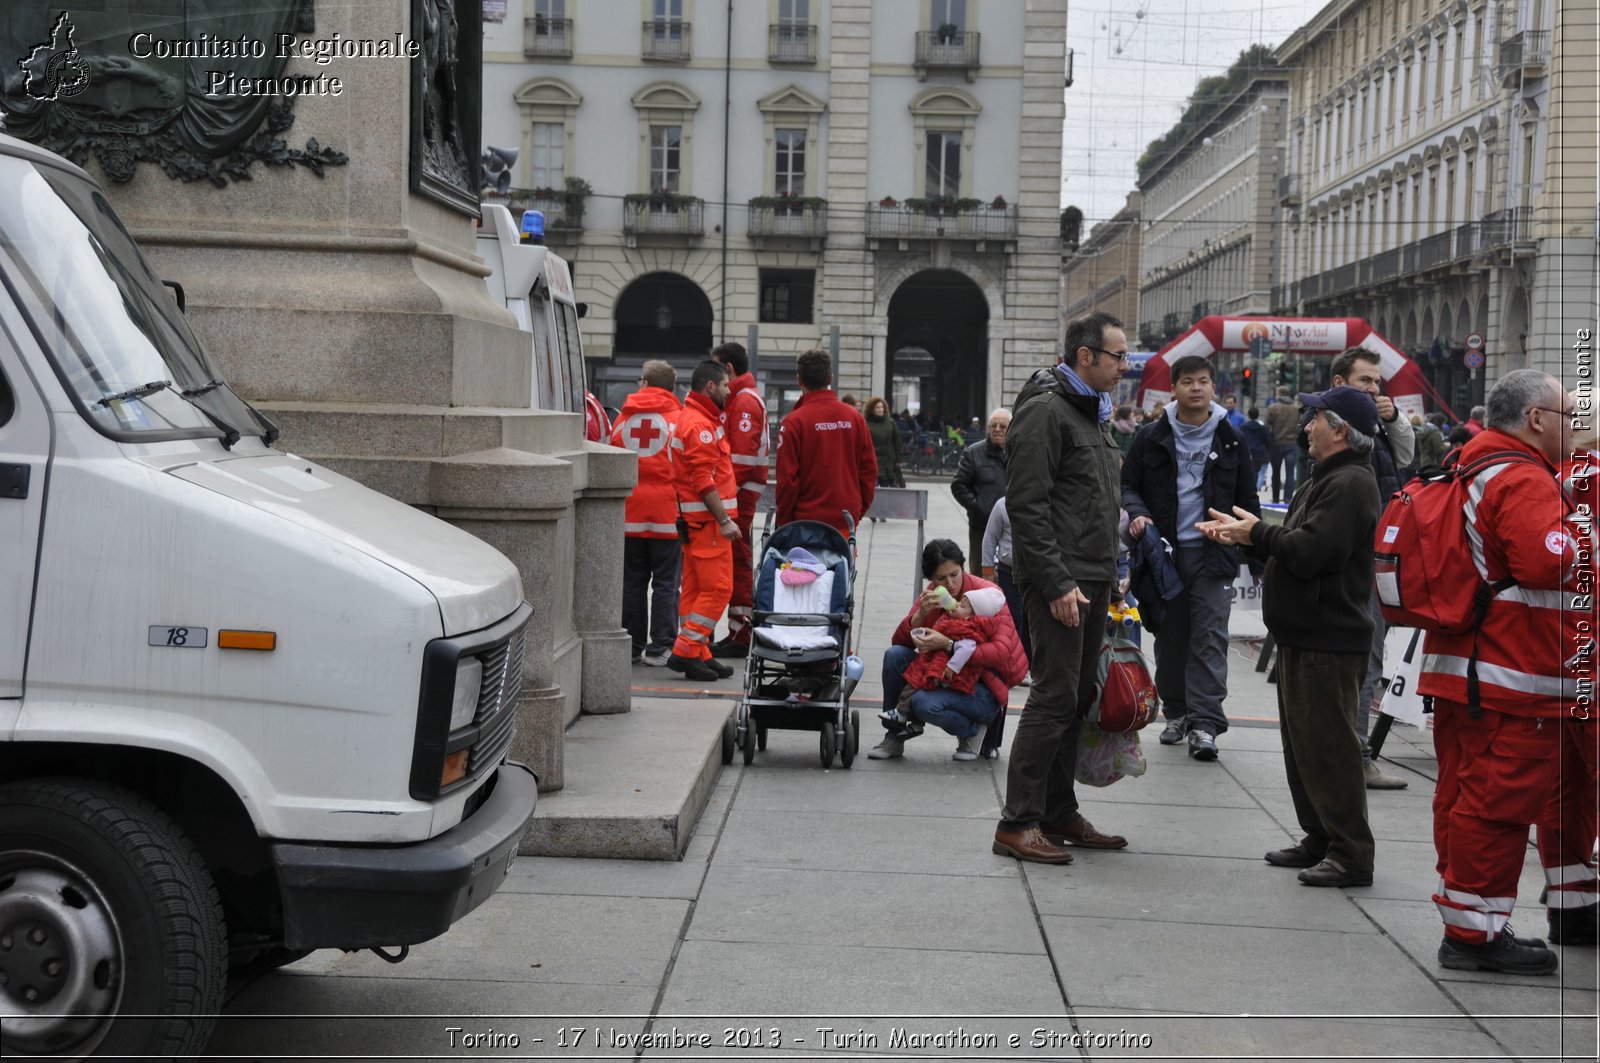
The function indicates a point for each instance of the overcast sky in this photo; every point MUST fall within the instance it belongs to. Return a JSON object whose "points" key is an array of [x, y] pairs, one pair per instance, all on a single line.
{"points": [[1136, 62]]}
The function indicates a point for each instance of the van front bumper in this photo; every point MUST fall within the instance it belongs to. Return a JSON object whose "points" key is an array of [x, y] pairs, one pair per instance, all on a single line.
{"points": [[349, 897]]}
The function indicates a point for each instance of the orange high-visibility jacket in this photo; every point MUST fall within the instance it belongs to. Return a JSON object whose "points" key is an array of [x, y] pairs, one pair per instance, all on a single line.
{"points": [[645, 426], [701, 459]]}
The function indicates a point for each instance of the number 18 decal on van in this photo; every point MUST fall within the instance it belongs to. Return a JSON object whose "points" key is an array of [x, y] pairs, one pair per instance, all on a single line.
{"points": [[183, 637]]}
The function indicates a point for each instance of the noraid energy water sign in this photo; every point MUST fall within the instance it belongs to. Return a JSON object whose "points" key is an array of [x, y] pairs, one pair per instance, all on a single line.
{"points": [[1310, 336]]}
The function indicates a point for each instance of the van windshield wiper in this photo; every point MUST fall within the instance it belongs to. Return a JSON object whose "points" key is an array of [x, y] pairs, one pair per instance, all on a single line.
{"points": [[208, 386], [136, 393]]}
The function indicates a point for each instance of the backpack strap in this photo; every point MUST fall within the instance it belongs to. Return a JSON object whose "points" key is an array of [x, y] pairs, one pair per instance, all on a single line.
{"points": [[1486, 591]]}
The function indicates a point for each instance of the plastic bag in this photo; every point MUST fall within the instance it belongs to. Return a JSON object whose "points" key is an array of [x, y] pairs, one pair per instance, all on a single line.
{"points": [[1104, 757]]}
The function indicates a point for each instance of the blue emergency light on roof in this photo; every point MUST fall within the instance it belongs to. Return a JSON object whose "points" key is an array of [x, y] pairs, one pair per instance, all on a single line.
{"points": [[533, 226]]}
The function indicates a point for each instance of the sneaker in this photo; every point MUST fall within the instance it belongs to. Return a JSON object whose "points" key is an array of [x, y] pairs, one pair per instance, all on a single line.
{"points": [[1504, 954], [718, 667], [1377, 780], [1202, 745], [1027, 680], [658, 659], [1173, 733], [892, 719], [730, 647], [692, 668], [892, 746], [969, 747]]}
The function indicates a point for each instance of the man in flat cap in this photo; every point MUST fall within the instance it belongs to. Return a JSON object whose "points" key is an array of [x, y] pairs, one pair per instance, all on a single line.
{"points": [[1314, 601]]}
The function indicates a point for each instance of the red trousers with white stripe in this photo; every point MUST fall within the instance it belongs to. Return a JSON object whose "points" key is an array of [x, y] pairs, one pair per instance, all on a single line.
{"points": [[707, 583], [1571, 816], [1496, 774], [743, 601]]}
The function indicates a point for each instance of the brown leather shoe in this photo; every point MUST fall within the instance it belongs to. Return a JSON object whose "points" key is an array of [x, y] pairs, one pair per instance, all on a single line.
{"points": [[1030, 845], [1081, 832]]}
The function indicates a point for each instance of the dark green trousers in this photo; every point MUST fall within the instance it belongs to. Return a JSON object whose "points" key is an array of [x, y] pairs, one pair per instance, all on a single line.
{"points": [[1318, 695]]}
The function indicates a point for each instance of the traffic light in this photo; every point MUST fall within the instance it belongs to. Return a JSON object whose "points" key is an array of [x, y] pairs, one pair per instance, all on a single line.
{"points": [[1247, 382]]}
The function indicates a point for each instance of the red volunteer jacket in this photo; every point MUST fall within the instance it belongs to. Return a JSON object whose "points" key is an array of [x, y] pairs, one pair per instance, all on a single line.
{"points": [[645, 426], [748, 438], [1000, 662], [596, 426], [1531, 649], [826, 463], [700, 459]]}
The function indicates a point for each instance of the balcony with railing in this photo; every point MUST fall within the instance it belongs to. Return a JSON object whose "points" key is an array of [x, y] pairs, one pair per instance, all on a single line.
{"points": [[563, 213], [654, 214], [1511, 228], [790, 43], [1289, 190], [546, 38], [667, 41], [1524, 55], [801, 219], [944, 49], [904, 222]]}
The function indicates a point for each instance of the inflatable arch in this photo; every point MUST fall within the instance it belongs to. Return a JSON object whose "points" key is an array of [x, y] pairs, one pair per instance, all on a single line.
{"points": [[1403, 380]]}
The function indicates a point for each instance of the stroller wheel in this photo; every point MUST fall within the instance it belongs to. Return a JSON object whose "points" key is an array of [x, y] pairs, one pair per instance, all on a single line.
{"points": [[828, 743], [850, 739], [747, 739], [730, 732], [761, 737]]}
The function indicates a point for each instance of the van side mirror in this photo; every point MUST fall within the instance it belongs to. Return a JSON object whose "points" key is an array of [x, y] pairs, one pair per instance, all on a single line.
{"points": [[583, 310], [177, 293]]}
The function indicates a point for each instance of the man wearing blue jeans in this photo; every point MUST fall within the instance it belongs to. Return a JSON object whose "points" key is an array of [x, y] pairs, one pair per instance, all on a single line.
{"points": [[1190, 461]]}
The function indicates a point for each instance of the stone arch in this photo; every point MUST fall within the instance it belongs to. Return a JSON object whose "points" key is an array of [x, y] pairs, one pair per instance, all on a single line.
{"points": [[1411, 338], [941, 317], [662, 313], [987, 283], [1515, 320]]}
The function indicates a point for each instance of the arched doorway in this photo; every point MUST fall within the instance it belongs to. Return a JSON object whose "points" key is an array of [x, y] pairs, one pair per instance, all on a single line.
{"points": [[663, 314], [938, 345]]}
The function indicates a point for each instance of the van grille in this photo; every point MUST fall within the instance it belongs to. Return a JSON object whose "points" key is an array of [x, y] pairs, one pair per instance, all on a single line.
{"points": [[497, 700]]}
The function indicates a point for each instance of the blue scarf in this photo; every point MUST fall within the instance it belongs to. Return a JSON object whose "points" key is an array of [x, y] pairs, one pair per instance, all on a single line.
{"points": [[1084, 389]]}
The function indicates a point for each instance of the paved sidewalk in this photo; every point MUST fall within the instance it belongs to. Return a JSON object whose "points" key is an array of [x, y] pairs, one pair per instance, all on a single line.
{"points": [[868, 900]]}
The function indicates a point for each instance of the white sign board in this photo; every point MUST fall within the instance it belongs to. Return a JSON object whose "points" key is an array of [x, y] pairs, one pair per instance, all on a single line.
{"points": [[1246, 590], [1402, 668]]}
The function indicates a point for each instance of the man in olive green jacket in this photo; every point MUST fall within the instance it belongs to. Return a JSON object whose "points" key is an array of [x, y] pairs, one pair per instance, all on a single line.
{"points": [[1063, 493]]}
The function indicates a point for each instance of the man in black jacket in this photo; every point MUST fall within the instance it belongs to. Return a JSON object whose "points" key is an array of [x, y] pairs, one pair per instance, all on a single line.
{"points": [[1192, 460], [980, 482], [1061, 495], [1314, 601]]}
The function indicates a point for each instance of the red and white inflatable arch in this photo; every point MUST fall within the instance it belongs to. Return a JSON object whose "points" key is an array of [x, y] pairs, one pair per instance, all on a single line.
{"points": [[1403, 380]]}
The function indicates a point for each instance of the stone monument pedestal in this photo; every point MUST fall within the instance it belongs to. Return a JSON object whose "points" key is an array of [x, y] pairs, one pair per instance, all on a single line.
{"points": [[353, 311]]}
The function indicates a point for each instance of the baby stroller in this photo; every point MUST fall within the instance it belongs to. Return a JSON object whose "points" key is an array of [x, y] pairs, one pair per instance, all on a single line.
{"points": [[800, 672]]}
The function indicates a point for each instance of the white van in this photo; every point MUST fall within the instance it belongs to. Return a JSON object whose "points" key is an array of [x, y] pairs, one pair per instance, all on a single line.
{"points": [[248, 708], [535, 284]]}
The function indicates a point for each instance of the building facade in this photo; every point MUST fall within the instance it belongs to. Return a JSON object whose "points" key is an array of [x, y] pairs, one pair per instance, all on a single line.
{"points": [[1211, 225], [1102, 274], [884, 177], [1419, 190]]}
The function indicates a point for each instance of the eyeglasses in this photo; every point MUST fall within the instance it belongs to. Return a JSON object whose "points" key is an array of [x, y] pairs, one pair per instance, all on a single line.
{"points": [[1121, 357], [1568, 414]]}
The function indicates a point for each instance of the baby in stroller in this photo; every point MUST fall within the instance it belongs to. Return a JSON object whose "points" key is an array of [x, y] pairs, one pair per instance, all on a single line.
{"points": [[966, 622]]}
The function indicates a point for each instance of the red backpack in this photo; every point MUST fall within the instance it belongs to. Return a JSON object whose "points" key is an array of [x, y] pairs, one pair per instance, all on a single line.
{"points": [[1423, 563], [1127, 695]]}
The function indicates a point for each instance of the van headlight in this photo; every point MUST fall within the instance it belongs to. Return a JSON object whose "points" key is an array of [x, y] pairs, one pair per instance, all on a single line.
{"points": [[464, 701]]}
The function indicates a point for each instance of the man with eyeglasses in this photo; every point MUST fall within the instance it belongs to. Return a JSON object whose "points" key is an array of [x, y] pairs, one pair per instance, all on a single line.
{"points": [[1063, 497], [1500, 764]]}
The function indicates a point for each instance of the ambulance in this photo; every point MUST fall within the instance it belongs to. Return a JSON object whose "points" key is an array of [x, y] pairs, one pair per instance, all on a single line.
{"points": [[248, 707]]}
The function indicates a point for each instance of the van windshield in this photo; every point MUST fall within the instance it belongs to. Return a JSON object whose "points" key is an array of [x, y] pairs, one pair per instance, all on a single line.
{"points": [[114, 334]]}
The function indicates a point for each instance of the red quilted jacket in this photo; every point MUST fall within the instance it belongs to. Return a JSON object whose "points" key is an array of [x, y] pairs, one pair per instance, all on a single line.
{"points": [[1000, 662]]}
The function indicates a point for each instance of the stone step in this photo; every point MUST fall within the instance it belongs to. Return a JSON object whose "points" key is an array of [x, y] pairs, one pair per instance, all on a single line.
{"points": [[636, 782]]}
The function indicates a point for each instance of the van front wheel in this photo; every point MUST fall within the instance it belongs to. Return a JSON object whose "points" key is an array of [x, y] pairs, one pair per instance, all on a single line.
{"points": [[106, 910]]}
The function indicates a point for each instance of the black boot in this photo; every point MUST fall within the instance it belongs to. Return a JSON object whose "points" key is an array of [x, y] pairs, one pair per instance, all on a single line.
{"points": [[690, 668], [1575, 926], [1504, 954]]}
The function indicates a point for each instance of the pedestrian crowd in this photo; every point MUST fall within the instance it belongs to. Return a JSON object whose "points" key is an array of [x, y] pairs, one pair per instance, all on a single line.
{"points": [[1074, 506]]}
